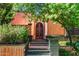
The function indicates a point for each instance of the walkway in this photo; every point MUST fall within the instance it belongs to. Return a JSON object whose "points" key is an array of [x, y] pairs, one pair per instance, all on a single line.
{"points": [[38, 48]]}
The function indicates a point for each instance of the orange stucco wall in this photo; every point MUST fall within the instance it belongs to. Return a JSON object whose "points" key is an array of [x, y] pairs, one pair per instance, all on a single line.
{"points": [[55, 29], [19, 19]]}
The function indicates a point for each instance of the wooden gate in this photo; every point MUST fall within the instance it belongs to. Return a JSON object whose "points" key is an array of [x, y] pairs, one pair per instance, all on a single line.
{"points": [[39, 31]]}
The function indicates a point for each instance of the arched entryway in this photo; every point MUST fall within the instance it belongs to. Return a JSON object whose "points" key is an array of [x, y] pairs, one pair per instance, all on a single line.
{"points": [[39, 30]]}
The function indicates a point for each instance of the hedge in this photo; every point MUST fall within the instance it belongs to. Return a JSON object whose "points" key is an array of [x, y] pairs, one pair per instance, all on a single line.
{"points": [[13, 34]]}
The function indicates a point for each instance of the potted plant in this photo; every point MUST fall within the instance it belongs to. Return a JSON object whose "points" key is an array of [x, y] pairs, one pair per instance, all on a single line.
{"points": [[13, 40]]}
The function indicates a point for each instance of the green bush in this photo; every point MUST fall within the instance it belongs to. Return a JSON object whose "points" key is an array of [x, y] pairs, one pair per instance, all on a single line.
{"points": [[75, 45], [55, 36], [49, 36], [68, 44], [63, 52], [13, 34]]}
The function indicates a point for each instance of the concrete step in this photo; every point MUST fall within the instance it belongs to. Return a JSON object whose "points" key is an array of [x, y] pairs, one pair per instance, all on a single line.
{"points": [[38, 51], [34, 44], [36, 54], [45, 47], [38, 42], [38, 48]]}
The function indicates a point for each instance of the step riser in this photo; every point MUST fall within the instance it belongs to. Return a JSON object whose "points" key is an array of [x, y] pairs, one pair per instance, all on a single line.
{"points": [[44, 54], [39, 41], [37, 52], [38, 49], [38, 44]]}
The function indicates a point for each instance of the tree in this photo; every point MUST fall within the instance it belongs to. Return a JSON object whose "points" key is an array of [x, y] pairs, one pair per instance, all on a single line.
{"points": [[6, 13], [65, 14]]}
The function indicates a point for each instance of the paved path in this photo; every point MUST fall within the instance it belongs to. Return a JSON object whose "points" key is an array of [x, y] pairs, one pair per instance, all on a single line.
{"points": [[38, 48]]}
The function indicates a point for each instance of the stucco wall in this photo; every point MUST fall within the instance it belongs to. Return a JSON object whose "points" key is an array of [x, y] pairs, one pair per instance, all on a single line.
{"points": [[55, 29]]}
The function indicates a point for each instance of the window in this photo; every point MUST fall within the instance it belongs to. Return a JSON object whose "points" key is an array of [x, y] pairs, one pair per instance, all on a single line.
{"points": [[75, 31]]}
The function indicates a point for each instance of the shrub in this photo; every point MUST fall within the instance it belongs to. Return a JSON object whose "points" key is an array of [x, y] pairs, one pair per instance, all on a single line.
{"points": [[75, 37], [13, 34], [63, 52], [75, 45], [68, 44], [49, 36]]}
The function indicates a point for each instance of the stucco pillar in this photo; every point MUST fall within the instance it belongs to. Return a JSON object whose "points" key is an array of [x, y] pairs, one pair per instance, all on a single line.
{"points": [[45, 28], [30, 28], [33, 29]]}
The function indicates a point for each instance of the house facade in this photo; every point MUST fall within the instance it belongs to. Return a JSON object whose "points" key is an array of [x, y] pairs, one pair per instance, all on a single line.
{"points": [[38, 29]]}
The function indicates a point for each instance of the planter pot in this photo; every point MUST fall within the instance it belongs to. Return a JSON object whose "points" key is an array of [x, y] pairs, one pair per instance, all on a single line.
{"points": [[13, 50]]}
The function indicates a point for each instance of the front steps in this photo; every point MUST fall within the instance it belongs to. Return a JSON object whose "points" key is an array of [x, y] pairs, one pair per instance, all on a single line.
{"points": [[38, 48]]}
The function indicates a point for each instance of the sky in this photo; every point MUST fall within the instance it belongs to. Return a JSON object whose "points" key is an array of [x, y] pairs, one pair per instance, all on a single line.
{"points": [[39, 1]]}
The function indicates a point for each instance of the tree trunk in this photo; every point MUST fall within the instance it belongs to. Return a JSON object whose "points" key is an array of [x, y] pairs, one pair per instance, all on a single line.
{"points": [[69, 36]]}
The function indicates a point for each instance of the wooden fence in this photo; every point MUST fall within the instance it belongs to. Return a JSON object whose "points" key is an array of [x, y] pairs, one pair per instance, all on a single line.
{"points": [[12, 50]]}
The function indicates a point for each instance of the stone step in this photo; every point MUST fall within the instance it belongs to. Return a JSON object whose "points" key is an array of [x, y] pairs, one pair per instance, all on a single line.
{"points": [[38, 44], [45, 47], [36, 54], [39, 41], [38, 48]]}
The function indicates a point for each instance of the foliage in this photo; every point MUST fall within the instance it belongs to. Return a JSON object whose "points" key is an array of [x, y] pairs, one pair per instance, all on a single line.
{"points": [[13, 34], [37, 11], [6, 12], [50, 36], [63, 52], [62, 43], [75, 45], [65, 14]]}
